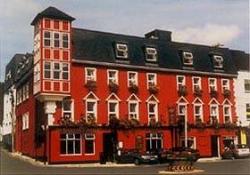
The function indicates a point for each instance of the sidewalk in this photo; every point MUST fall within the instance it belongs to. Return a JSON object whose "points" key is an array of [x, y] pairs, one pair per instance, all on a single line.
{"points": [[210, 159]]}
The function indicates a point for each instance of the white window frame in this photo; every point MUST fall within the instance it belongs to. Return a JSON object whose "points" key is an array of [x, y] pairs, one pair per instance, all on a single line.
{"points": [[246, 81], [73, 139], [116, 112], [133, 115], [227, 115], [216, 111], [65, 71], [185, 107], [226, 86], [71, 111], [118, 48], [212, 86], [155, 136], [50, 38], [57, 71], [112, 79], [219, 60], [132, 80], [56, 39], [198, 84], [187, 56], [178, 83], [200, 114], [49, 70], [155, 113], [151, 51], [90, 77], [93, 139], [94, 112], [25, 121], [151, 82], [63, 41]]}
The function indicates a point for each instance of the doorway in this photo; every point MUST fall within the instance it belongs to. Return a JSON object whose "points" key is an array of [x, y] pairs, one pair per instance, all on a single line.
{"points": [[109, 146], [214, 146]]}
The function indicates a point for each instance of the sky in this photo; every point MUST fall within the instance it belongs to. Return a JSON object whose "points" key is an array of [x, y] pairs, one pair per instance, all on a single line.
{"points": [[196, 21]]}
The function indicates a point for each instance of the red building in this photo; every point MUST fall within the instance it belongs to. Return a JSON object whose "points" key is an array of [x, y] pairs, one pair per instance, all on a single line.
{"points": [[89, 93]]}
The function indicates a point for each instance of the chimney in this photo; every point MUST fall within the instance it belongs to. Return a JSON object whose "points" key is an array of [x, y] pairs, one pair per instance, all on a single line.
{"points": [[159, 34]]}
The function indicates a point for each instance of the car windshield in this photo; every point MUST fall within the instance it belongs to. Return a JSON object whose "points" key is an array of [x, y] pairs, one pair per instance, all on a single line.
{"points": [[242, 146]]}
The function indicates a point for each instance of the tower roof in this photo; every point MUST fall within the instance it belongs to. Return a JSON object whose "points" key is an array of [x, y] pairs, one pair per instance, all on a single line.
{"points": [[52, 12]]}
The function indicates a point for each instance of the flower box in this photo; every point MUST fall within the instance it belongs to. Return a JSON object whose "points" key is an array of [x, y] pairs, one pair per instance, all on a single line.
{"points": [[91, 85], [227, 93], [213, 93], [182, 90], [153, 89], [113, 87], [133, 88], [198, 92]]}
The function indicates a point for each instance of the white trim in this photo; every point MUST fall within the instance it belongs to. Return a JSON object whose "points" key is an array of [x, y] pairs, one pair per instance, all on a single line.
{"points": [[220, 61], [185, 58], [113, 94], [230, 112], [125, 51], [95, 109], [198, 84], [87, 78], [154, 55], [213, 100], [156, 114], [66, 139], [197, 99], [89, 94], [115, 79], [226, 101], [94, 140], [201, 114], [227, 86], [133, 95], [209, 84], [152, 96], [135, 80], [182, 98], [117, 109], [154, 81], [216, 111], [72, 106], [137, 109], [183, 83], [159, 69]]}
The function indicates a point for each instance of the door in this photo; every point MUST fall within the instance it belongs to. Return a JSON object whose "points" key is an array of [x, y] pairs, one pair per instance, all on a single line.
{"points": [[108, 146], [214, 146]]}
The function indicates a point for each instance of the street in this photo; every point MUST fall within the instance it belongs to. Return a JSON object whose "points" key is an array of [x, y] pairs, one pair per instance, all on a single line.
{"points": [[11, 166]]}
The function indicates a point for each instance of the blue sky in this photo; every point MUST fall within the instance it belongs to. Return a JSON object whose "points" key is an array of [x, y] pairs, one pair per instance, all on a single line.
{"points": [[197, 21]]}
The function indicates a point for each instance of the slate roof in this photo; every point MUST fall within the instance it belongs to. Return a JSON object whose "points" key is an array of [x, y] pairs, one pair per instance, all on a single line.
{"points": [[241, 60], [18, 67], [52, 12], [99, 47]]}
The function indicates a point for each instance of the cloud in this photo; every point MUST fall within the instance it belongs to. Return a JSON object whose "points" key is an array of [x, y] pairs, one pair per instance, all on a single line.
{"points": [[208, 34]]}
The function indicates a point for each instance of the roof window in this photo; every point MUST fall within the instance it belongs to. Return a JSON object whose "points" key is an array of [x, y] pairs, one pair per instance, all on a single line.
{"points": [[121, 50], [187, 58], [151, 54], [218, 61]]}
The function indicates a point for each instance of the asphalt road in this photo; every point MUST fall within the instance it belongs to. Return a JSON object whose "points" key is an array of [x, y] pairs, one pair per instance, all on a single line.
{"points": [[14, 166]]}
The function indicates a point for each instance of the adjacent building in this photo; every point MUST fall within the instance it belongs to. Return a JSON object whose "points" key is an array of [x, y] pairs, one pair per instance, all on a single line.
{"points": [[86, 94], [1, 109]]}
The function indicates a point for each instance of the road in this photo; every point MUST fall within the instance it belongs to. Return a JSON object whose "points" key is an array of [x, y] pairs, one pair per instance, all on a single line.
{"points": [[14, 166]]}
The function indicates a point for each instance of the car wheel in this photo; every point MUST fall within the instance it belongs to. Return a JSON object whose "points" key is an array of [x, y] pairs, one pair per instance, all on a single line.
{"points": [[137, 162]]}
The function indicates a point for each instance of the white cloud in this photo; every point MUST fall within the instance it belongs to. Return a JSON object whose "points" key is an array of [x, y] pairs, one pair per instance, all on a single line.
{"points": [[208, 34]]}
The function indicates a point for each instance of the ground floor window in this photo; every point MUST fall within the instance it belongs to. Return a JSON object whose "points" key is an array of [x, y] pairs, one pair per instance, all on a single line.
{"points": [[228, 141], [70, 144], [154, 141], [191, 142], [89, 144]]}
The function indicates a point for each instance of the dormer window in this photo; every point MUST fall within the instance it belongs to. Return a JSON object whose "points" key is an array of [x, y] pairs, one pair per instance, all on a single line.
{"points": [[151, 54], [218, 61], [121, 51], [187, 58]]}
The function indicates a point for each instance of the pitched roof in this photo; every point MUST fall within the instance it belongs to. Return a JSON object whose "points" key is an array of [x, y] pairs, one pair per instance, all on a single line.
{"points": [[241, 60], [99, 47], [52, 12]]}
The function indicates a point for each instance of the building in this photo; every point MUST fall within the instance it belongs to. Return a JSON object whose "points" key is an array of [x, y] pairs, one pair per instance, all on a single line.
{"points": [[89, 94], [242, 94], [1, 109]]}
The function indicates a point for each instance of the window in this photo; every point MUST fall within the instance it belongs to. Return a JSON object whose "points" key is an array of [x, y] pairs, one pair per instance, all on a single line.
{"points": [[65, 71], [151, 80], [187, 58], [247, 85], [218, 61], [248, 111], [112, 76], [47, 38], [191, 142], [132, 78], [225, 84], [227, 113], [89, 143], [121, 51], [56, 71], [133, 107], [198, 112], [196, 83], [152, 110], [90, 74], [25, 121], [113, 109], [154, 142], [65, 40], [67, 108], [181, 81], [56, 39], [91, 110], [151, 54], [70, 144], [47, 70], [212, 83], [214, 111]]}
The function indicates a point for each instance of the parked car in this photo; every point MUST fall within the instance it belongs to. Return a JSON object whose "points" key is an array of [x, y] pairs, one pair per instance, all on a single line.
{"points": [[236, 151], [133, 156]]}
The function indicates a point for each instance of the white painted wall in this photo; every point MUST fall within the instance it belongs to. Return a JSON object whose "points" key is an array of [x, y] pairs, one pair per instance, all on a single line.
{"points": [[7, 121], [242, 97]]}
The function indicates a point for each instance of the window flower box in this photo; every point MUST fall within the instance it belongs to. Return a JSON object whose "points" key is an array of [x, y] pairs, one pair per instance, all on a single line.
{"points": [[199, 123], [113, 87], [213, 93], [91, 85], [133, 88], [214, 122], [91, 119], [198, 92], [154, 124], [153, 89], [182, 90], [227, 93]]}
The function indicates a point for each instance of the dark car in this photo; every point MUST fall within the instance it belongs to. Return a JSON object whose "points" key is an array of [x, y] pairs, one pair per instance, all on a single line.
{"points": [[178, 153], [236, 151], [136, 157]]}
